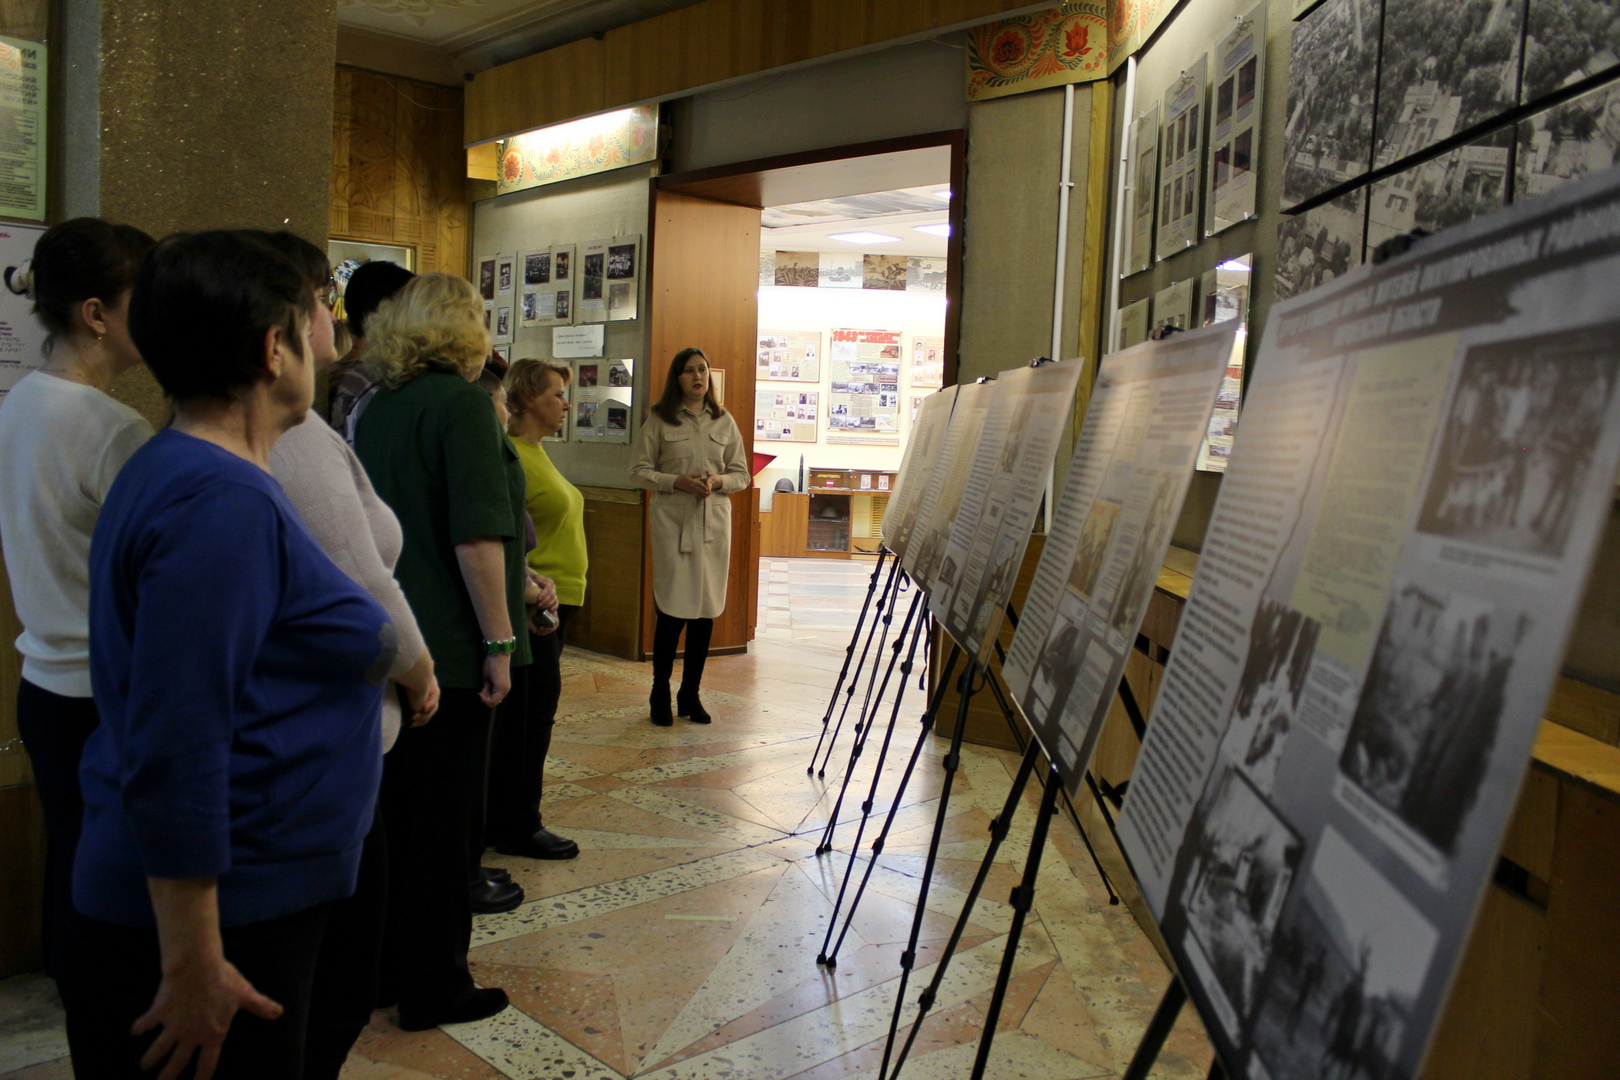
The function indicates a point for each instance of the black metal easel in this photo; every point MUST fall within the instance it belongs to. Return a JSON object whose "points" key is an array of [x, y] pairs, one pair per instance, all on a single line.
{"points": [[849, 653]]}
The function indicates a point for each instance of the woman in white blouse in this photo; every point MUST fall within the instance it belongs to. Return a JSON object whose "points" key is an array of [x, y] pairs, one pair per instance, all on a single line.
{"points": [[691, 456]]}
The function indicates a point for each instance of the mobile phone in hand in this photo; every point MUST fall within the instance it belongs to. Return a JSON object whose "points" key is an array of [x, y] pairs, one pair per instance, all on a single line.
{"points": [[544, 617]]}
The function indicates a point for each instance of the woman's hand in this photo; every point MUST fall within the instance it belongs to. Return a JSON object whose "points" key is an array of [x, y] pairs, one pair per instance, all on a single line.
{"points": [[421, 690], [713, 480], [193, 1010], [694, 484], [497, 679], [542, 595]]}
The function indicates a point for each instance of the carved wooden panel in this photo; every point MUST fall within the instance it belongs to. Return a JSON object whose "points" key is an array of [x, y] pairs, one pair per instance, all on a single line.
{"points": [[398, 167]]}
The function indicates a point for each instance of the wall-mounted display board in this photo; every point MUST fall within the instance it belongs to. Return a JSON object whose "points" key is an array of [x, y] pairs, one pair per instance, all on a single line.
{"points": [[592, 299], [504, 277], [786, 415], [1360, 672], [1010, 469], [844, 270], [1173, 305], [602, 400], [22, 336], [1234, 122], [864, 405], [1332, 83], [537, 296], [1144, 166], [1181, 156], [1226, 298], [563, 276], [501, 329], [23, 153], [1447, 65], [788, 356], [1444, 191], [1133, 323], [1111, 527], [1568, 141], [927, 361], [932, 515], [1321, 244], [486, 277], [916, 465], [623, 276]]}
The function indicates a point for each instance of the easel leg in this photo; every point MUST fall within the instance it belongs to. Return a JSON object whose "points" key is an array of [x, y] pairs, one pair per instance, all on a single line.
{"points": [[827, 957], [1158, 1030], [849, 653], [883, 601]]}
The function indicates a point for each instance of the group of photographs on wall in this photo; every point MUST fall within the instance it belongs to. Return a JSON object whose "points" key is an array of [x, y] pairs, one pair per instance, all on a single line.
{"points": [[602, 396], [1517, 97], [862, 394], [563, 285], [840, 270]]}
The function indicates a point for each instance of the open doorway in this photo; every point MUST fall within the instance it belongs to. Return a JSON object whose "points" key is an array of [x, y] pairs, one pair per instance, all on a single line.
{"points": [[860, 329]]}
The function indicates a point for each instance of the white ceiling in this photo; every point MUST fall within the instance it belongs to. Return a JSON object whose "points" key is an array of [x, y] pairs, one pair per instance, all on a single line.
{"points": [[855, 215], [483, 33]]}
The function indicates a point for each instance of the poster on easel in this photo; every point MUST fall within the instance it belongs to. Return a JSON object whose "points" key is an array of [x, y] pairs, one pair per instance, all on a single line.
{"points": [[927, 361], [786, 415], [1011, 466], [591, 301], [1181, 157], [623, 277], [1111, 527], [1144, 166], [935, 511], [563, 275], [864, 404], [788, 356], [1234, 123], [1392, 569], [916, 464]]}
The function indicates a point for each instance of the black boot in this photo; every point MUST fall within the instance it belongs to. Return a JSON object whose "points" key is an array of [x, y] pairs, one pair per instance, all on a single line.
{"points": [[688, 706], [659, 702]]}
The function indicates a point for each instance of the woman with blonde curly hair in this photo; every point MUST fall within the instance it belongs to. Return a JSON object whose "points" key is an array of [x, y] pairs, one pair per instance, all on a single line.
{"points": [[436, 455]]}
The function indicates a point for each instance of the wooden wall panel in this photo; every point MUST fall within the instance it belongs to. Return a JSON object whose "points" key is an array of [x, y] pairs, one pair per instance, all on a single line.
{"points": [[399, 173], [699, 45], [609, 619]]}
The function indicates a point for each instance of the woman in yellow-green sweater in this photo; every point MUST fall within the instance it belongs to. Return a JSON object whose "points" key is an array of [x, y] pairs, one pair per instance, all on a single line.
{"points": [[537, 401]]}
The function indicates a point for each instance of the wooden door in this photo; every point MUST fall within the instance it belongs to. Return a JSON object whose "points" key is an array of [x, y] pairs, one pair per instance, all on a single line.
{"points": [[704, 292]]}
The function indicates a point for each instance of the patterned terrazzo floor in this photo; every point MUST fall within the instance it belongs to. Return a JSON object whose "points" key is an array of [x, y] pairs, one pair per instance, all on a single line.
{"points": [[681, 944]]}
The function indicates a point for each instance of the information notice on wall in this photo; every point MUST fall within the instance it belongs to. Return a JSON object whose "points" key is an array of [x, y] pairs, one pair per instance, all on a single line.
{"points": [[1011, 466], [22, 129], [864, 405], [1380, 611], [1111, 526]]}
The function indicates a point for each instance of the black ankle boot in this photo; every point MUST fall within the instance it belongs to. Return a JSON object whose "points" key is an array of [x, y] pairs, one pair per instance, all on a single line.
{"points": [[688, 705], [659, 701]]}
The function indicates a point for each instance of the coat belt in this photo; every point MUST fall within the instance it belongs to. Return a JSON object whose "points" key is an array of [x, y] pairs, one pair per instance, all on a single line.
{"points": [[691, 522]]}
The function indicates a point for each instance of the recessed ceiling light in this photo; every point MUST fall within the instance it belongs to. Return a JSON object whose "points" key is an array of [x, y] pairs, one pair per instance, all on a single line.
{"points": [[943, 193], [941, 229], [864, 238]]}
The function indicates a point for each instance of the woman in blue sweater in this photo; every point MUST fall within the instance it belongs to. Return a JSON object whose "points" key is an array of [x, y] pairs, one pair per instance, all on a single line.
{"points": [[239, 678]]}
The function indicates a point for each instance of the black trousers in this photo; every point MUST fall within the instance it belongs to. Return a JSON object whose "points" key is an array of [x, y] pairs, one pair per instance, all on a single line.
{"points": [[54, 729], [666, 636], [346, 967], [522, 737], [119, 972], [433, 805]]}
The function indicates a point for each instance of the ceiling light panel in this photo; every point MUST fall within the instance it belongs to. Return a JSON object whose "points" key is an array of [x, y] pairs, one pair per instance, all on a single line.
{"points": [[864, 238]]}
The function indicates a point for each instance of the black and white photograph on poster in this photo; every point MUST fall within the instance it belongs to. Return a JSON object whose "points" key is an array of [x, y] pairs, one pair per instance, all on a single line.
{"points": [[1320, 244], [839, 270], [1446, 191], [1568, 141], [1517, 445], [1234, 134], [619, 373], [618, 418], [621, 300], [591, 287], [1347, 965], [621, 258], [1232, 876], [489, 316], [562, 262], [585, 418], [503, 273], [1434, 654], [885, 272], [537, 268], [503, 323], [1446, 66], [1332, 81], [788, 356], [1123, 491], [1431, 706], [927, 361], [529, 306], [564, 302], [1181, 158], [1144, 186], [798, 269], [1567, 41], [786, 415], [925, 274], [1282, 643], [486, 276]]}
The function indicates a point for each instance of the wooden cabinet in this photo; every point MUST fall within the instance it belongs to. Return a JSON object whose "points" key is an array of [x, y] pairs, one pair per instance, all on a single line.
{"points": [[840, 515]]}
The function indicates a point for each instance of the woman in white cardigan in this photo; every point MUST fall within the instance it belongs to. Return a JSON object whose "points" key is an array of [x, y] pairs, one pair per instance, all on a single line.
{"points": [[691, 455], [328, 487]]}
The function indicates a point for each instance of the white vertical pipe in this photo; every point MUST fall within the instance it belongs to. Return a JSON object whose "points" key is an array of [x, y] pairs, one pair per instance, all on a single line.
{"points": [[1065, 186], [1122, 195]]}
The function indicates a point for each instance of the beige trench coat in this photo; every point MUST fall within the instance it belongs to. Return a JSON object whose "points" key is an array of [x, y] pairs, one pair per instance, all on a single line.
{"points": [[691, 537]]}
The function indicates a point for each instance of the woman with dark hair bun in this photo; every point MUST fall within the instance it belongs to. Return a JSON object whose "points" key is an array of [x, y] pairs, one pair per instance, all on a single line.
{"points": [[62, 441], [239, 677], [691, 456]]}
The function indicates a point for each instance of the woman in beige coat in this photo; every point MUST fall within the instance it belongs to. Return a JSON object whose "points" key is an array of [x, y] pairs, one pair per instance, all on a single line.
{"points": [[691, 456]]}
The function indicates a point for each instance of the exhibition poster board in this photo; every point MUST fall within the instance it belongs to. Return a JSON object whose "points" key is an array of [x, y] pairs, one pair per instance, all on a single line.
{"points": [[1111, 527], [1391, 573], [602, 398], [1144, 168], [786, 415], [623, 277], [1234, 123], [916, 466], [592, 300], [22, 335], [935, 510], [24, 90], [788, 356], [1181, 146], [927, 361], [864, 405], [1011, 466]]}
